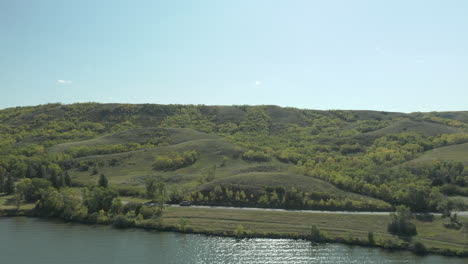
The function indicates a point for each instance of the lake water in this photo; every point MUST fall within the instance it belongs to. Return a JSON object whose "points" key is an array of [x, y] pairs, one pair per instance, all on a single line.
{"points": [[31, 240]]}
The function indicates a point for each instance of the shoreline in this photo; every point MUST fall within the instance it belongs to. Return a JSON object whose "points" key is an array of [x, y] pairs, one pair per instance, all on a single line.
{"points": [[246, 234]]}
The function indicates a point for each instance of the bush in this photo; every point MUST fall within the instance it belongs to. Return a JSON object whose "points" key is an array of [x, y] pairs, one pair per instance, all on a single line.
{"points": [[316, 235], [121, 221], [258, 156], [148, 212], [407, 229], [175, 160], [419, 248], [131, 206], [400, 224], [123, 190], [370, 238]]}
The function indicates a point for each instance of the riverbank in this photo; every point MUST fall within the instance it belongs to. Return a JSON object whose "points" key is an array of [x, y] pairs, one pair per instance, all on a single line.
{"points": [[343, 228], [350, 229]]}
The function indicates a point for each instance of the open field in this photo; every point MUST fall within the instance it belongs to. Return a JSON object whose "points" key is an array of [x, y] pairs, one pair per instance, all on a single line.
{"points": [[7, 202], [432, 233]]}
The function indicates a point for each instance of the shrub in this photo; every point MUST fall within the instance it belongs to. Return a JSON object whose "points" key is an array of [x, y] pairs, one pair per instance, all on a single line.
{"points": [[175, 160], [400, 224], [258, 156], [316, 235], [370, 238], [419, 248], [239, 231], [121, 221], [147, 212]]}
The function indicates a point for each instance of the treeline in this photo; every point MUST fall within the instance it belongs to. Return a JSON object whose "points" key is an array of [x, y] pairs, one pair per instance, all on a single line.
{"points": [[279, 197], [94, 204]]}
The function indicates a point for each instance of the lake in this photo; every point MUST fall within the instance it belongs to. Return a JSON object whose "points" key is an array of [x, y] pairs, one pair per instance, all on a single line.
{"points": [[32, 240]]}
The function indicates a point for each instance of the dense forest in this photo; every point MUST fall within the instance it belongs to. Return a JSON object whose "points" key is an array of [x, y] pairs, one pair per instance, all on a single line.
{"points": [[263, 156]]}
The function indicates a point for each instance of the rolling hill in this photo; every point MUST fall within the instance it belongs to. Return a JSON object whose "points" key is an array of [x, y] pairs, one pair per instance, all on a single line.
{"points": [[347, 154]]}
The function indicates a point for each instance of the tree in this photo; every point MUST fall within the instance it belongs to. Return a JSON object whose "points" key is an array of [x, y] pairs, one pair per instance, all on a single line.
{"points": [[23, 190], [67, 179], [400, 223], [61, 180], [150, 185], [42, 172], [29, 189], [30, 172], [370, 238], [450, 208], [157, 191], [102, 181], [51, 202], [9, 187], [54, 179], [98, 198], [2, 179], [316, 235]]}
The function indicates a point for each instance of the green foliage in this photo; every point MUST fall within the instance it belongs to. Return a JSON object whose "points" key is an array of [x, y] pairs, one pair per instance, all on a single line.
{"points": [[257, 122], [189, 116], [51, 203], [419, 248], [157, 191], [370, 238], [122, 221], [30, 189], [316, 235], [98, 198], [103, 182], [240, 231], [175, 160], [67, 179], [258, 156], [400, 223], [9, 186]]}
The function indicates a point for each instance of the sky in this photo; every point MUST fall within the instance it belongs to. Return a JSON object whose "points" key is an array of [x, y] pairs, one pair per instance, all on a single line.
{"points": [[403, 56]]}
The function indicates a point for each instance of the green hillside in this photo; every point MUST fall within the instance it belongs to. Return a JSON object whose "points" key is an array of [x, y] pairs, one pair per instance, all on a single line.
{"points": [[449, 153], [243, 155]]}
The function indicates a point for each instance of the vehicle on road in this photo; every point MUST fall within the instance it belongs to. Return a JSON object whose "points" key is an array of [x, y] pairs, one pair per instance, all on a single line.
{"points": [[185, 203]]}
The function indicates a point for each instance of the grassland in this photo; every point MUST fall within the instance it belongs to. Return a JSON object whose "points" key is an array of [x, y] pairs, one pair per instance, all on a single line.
{"points": [[454, 152], [431, 233]]}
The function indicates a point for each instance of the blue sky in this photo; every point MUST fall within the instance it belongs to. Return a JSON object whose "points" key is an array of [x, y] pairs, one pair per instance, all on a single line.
{"points": [[380, 55]]}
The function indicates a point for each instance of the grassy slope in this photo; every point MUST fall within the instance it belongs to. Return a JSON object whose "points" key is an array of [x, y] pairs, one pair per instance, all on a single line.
{"points": [[454, 152], [140, 135], [405, 125], [135, 166], [258, 180]]}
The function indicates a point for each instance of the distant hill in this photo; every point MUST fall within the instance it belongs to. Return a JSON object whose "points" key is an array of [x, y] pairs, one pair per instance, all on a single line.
{"points": [[329, 159]]}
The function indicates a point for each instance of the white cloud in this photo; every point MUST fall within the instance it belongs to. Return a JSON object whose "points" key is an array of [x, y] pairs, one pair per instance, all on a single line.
{"points": [[64, 81], [258, 83]]}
